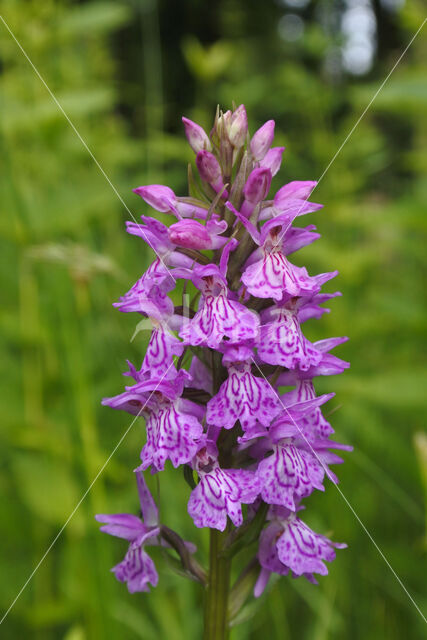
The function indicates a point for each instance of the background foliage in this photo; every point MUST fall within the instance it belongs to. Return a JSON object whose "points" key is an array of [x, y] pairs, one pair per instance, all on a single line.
{"points": [[125, 72]]}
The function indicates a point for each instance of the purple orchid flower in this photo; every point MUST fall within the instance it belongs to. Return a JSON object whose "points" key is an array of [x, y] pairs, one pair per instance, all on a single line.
{"points": [[218, 316], [314, 425], [282, 341], [172, 423], [289, 474], [289, 544], [242, 396], [272, 275], [220, 492], [137, 568]]}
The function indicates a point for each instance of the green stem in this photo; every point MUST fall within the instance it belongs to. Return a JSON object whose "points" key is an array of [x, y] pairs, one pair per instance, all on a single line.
{"points": [[216, 605]]}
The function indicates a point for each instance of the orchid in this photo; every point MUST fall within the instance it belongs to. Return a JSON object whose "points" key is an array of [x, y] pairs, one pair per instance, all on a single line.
{"points": [[211, 386]]}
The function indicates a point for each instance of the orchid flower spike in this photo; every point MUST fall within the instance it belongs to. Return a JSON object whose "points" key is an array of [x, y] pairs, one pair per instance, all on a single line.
{"points": [[226, 310]]}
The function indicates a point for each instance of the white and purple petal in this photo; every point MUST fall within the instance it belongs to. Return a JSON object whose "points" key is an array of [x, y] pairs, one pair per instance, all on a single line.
{"points": [[218, 318], [243, 397], [283, 343], [163, 345], [288, 475], [137, 570], [274, 276], [171, 435], [303, 550], [220, 493]]}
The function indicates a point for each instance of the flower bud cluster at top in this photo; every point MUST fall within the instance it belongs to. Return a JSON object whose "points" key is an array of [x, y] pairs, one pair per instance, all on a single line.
{"points": [[211, 384]]}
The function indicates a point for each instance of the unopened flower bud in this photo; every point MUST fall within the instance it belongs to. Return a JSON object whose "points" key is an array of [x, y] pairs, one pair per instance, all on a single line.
{"points": [[257, 185], [238, 127], [208, 166], [210, 170], [256, 188], [157, 196], [262, 139], [190, 234], [273, 159], [196, 136]]}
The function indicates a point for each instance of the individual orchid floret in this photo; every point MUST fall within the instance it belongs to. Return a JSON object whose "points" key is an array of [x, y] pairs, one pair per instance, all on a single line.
{"points": [[273, 159], [238, 127], [255, 190], [172, 423], [220, 492], [242, 396], [218, 316], [295, 238], [272, 275], [193, 235], [137, 568], [289, 474], [282, 341], [158, 280], [196, 136], [289, 544], [210, 170], [262, 139]]}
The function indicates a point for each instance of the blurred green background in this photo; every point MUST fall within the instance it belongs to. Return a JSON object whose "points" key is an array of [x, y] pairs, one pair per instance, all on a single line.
{"points": [[125, 72]]}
